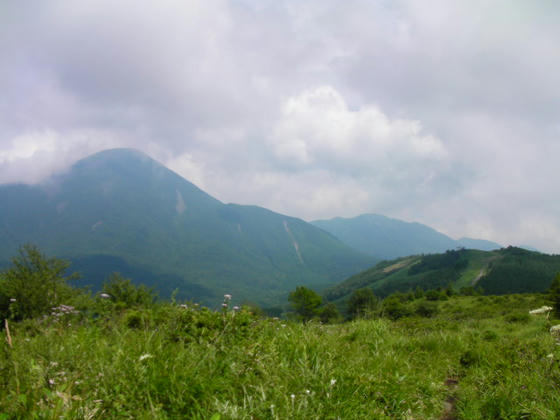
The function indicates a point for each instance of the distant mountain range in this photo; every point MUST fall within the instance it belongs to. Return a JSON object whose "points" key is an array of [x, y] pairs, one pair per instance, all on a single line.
{"points": [[120, 210], [388, 238], [507, 270]]}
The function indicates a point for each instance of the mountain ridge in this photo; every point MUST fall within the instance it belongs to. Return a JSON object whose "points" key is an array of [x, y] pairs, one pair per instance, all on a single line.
{"points": [[121, 203], [503, 271], [390, 238]]}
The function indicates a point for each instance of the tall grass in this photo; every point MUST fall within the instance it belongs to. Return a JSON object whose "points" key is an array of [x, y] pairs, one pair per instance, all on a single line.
{"points": [[476, 359]]}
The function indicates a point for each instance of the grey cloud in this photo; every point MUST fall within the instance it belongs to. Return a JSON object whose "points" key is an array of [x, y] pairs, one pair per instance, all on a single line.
{"points": [[203, 87]]}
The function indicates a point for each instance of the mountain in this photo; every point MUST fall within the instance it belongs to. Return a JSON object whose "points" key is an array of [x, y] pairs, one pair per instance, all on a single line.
{"points": [[529, 248], [391, 238], [121, 210], [507, 270], [480, 244]]}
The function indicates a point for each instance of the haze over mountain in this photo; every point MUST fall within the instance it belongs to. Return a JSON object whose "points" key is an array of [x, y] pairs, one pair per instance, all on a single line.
{"points": [[121, 210], [389, 238]]}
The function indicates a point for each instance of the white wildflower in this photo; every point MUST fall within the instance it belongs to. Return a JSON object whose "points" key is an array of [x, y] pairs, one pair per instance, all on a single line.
{"points": [[541, 310], [550, 356], [183, 306], [333, 381], [227, 297], [51, 381], [145, 356], [308, 392], [104, 296], [13, 300], [224, 305], [236, 308]]}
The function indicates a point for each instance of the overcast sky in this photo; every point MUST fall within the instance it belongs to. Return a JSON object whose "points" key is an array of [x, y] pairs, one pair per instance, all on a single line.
{"points": [[445, 113]]}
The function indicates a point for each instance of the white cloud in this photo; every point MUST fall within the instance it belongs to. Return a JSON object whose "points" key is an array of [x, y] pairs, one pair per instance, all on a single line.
{"points": [[34, 155], [446, 115], [317, 128]]}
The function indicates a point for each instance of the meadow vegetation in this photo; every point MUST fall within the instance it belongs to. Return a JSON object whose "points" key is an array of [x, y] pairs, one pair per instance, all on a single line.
{"points": [[420, 355]]}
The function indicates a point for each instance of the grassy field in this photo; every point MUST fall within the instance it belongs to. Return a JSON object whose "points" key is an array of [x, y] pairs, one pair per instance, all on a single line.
{"points": [[480, 357]]}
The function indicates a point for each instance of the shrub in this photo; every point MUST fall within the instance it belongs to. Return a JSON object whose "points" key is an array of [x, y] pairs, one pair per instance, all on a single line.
{"points": [[489, 335], [395, 309], [361, 303], [426, 309], [124, 294], [329, 314], [134, 319], [436, 295], [34, 284], [521, 317], [305, 303], [418, 292], [469, 358], [188, 324]]}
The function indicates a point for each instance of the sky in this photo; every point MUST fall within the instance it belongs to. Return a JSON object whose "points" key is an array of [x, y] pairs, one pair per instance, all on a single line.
{"points": [[445, 113]]}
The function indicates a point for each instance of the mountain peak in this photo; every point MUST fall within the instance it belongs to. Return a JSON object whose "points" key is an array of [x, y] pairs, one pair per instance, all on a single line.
{"points": [[121, 209], [116, 155]]}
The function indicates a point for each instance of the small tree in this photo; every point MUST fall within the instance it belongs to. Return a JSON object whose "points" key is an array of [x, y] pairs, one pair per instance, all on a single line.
{"points": [[361, 303], [554, 294], [449, 291], [305, 303], [34, 284], [418, 293], [124, 293], [426, 308], [395, 309], [329, 313]]}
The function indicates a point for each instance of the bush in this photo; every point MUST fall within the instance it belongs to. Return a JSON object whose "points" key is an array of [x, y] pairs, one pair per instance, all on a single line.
{"points": [[395, 309], [33, 285], [436, 295], [329, 314], [188, 324], [134, 319], [305, 303], [469, 358], [489, 335], [426, 309], [124, 294], [361, 303], [521, 317]]}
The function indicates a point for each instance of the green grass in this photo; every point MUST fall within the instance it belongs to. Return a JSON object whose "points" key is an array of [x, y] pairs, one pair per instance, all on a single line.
{"points": [[483, 355]]}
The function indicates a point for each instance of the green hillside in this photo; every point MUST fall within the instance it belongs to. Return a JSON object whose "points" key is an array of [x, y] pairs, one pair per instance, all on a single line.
{"points": [[121, 209], [508, 270]]}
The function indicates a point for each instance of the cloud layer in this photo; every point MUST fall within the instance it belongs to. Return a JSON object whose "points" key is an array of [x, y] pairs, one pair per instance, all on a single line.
{"points": [[446, 115]]}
